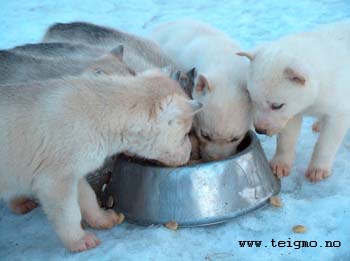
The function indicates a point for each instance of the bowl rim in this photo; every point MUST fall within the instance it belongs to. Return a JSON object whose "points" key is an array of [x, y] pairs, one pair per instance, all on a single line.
{"points": [[253, 141]]}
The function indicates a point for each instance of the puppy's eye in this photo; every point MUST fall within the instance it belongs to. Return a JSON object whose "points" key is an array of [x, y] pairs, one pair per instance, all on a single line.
{"points": [[276, 106], [205, 136], [235, 139]]}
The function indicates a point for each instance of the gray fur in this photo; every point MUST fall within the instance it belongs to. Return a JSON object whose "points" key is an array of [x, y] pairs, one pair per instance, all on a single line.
{"points": [[141, 54], [16, 68], [186, 80], [58, 50], [53, 60]]}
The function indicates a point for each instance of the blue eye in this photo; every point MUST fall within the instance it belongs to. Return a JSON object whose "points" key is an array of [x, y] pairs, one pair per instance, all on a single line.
{"points": [[276, 106]]}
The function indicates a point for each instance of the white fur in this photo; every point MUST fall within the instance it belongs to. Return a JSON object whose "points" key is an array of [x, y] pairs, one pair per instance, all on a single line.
{"points": [[226, 111], [55, 132], [321, 58]]}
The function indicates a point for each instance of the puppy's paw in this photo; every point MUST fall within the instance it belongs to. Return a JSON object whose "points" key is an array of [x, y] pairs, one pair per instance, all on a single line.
{"points": [[85, 243], [279, 168], [22, 205], [316, 174], [107, 220], [316, 127]]}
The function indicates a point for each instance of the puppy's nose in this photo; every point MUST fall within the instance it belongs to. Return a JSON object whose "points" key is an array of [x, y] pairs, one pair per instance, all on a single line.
{"points": [[260, 131]]}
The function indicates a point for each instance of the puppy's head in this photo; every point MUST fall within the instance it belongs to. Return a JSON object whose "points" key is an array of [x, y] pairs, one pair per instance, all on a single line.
{"points": [[175, 114], [225, 118], [170, 116], [280, 87]]}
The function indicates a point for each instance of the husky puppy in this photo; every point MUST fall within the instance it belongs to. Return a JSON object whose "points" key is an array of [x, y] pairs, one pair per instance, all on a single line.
{"points": [[303, 74], [219, 85], [54, 132]]}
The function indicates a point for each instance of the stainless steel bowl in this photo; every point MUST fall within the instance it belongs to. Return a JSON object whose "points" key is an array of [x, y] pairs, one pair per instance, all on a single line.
{"points": [[194, 195]]}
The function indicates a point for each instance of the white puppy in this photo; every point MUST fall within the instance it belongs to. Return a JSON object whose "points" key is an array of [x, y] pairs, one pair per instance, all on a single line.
{"points": [[219, 85], [53, 133], [303, 74]]}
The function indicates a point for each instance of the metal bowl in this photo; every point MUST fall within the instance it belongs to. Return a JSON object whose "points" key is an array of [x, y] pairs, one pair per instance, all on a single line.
{"points": [[194, 195]]}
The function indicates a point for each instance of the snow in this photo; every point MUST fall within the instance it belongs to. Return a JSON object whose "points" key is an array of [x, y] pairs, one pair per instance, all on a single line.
{"points": [[322, 208]]}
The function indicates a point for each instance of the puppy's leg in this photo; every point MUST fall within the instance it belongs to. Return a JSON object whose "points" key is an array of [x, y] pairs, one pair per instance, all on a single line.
{"points": [[286, 140], [91, 211], [22, 205], [59, 198], [331, 136]]}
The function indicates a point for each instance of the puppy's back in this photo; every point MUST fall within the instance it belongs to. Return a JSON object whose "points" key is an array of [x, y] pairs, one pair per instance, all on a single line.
{"points": [[140, 53], [58, 50], [16, 68]]}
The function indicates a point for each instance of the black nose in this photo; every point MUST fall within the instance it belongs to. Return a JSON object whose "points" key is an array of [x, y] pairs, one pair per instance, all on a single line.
{"points": [[260, 131]]}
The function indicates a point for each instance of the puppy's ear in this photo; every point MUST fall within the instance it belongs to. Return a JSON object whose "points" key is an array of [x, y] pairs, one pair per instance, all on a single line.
{"points": [[192, 74], [186, 80], [118, 52], [296, 74], [249, 55], [183, 80], [201, 85]]}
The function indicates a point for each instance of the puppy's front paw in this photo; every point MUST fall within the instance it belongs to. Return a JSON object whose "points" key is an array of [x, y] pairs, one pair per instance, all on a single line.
{"points": [[316, 174], [107, 220], [279, 168], [85, 243]]}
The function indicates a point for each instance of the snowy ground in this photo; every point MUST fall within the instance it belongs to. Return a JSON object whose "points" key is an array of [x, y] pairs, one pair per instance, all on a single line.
{"points": [[323, 208]]}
